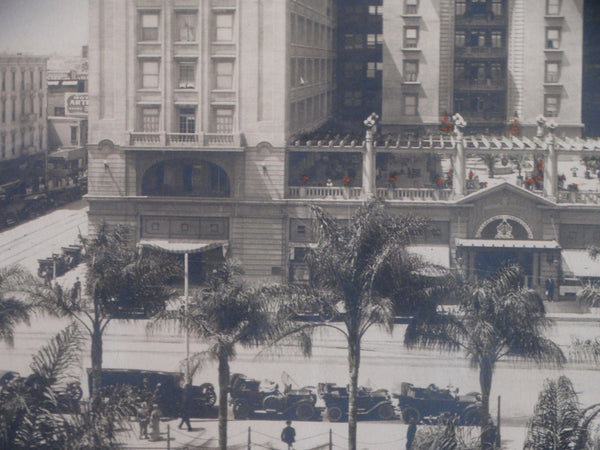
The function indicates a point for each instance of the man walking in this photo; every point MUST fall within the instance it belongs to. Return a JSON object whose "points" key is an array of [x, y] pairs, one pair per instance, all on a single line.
{"points": [[288, 435], [186, 400]]}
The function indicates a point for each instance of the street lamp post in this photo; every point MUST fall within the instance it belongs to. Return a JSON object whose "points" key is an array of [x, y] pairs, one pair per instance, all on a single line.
{"points": [[186, 277]]}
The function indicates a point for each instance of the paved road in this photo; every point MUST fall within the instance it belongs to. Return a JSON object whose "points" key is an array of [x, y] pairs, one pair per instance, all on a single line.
{"points": [[39, 238]]}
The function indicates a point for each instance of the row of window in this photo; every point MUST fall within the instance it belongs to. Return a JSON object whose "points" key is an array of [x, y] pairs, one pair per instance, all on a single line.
{"points": [[149, 120], [27, 106], [468, 7], [361, 41], [310, 110], [8, 80], [353, 70], [27, 139], [307, 32], [223, 72], [479, 38], [307, 71], [186, 26]]}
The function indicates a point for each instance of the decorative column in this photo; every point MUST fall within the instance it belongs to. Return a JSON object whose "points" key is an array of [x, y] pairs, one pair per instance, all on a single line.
{"points": [[458, 177], [551, 162], [368, 169]]}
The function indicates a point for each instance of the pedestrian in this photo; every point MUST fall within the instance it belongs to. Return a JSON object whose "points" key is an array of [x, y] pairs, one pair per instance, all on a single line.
{"points": [[155, 423], [144, 419], [410, 435], [550, 289], [76, 291], [186, 400], [288, 435]]}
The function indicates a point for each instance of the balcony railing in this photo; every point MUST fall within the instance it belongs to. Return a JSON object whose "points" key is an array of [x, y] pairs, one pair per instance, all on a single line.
{"points": [[414, 194], [141, 138], [482, 85], [579, 197], [480, 52], [182, 139], [321, 192], [219, 139]]}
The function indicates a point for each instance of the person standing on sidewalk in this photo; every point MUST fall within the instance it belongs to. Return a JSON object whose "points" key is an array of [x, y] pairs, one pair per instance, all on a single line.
{"points": [[288, 435], [186, 403]]}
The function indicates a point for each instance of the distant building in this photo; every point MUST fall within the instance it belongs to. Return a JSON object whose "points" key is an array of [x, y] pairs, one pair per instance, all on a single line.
{"points": [[23, 97]]}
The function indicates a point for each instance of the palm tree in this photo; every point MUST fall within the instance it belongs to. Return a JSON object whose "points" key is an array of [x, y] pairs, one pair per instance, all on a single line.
{"points": [[117, 273], [490, 160], [352, 270], [558, 421], [12, 310], [497, 318], [225, 313], [521, 161]]}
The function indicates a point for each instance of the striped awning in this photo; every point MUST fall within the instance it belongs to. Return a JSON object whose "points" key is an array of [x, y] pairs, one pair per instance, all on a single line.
{"points": [[182, 246]]}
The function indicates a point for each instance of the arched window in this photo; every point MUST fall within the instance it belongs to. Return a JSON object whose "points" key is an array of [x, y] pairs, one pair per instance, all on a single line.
{"points": [[185, 178]]}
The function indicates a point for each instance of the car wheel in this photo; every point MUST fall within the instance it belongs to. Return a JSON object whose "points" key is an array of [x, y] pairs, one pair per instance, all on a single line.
{"points": [[334, 413], [472, 417], [271, 403], [241, 410], [208, 394], [411, 414], [305, 411], [385, 411], [74, 391]]}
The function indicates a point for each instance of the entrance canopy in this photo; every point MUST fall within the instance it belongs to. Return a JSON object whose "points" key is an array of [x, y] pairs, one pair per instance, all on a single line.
{"points": [[508, 243], [182, 246], [580, 264], [434, 254]]}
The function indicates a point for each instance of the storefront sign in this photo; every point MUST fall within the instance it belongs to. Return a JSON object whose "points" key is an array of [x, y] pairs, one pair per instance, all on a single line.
{"points": [[76, 104]]}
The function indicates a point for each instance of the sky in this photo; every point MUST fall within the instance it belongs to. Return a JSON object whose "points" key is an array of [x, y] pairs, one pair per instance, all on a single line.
{"points": [[43, 27]]}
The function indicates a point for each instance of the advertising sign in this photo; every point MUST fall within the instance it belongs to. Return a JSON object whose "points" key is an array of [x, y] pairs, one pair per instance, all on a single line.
{"points": [[76, 104]]}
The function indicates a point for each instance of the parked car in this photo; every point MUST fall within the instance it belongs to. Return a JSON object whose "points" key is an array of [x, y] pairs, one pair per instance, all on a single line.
{"points": [[166, 388], [370, 403], [249, 396], [418, 403]]}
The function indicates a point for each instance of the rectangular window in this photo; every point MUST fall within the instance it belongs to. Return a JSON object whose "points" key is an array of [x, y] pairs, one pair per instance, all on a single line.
{"points": [[31, 109], [14, 80], [411, 104], [496, 71], [552, 72], [309, 71], [23, 111], [375, 10], [3, 146], [187, 75], [41, 78], [13, 112], [552, 7], [149, 26], [373, 40], [224, 27], [74, 135], [59, 111], [150, 118], [352, 98], [186, 27], [22, 80], [478, 39], [411, 70], [461, 7], [224, 120], [551, 105], [497, 7], [293, 74], [13, 140], [187, 120], [3, 81], [371, 70], [41, 103], [224, 75], [22, 140], [150, 73], [411, 37], [459, 71], [3, 111], [496, 39], [31, 78], [460, 38], [411, 6], [552, 38]]}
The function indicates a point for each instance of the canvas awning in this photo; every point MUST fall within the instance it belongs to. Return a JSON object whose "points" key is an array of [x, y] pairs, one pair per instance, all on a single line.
{"points": [[508, 243], [69, 153], [579, 263], [434, 254], [182, 246]]}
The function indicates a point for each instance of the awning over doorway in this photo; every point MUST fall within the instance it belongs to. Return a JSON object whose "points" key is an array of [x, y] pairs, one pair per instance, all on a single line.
{"points": [[579, 263], [182, 246], [69, 153], [508, 243], [434, 254]]}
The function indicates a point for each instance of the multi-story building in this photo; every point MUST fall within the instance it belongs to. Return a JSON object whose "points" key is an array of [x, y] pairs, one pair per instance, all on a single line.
{"points": [[201, 113], [23, 96], [490, 60]]}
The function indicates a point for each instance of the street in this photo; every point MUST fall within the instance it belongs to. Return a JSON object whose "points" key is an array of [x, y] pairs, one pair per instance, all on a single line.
{"points": [[385, 361]]}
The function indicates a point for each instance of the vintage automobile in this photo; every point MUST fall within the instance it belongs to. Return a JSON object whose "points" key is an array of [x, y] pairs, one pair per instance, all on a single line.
{"points": [[249, 396], [416, 404], [370, 403], [64, 399], [166, 389]]}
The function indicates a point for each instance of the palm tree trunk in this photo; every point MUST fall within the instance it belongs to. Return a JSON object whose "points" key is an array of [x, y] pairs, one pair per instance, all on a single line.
{"points": [[223, 391], [353, 366], [486, 369], [96, 355]]}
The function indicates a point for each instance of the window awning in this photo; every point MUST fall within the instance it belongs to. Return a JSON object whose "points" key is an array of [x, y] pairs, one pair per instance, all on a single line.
{"points": [[182, 246], [579, 263], [434, 254], [508, 243]]}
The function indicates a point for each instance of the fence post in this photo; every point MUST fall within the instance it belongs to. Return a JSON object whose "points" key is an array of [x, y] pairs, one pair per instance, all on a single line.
{"points": [[330, 440], [498, 420], [168, 436], [249, 440]]}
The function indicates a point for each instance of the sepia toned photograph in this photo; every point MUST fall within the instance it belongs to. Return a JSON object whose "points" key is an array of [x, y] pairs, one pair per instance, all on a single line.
{"points": [[300, 224]]}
